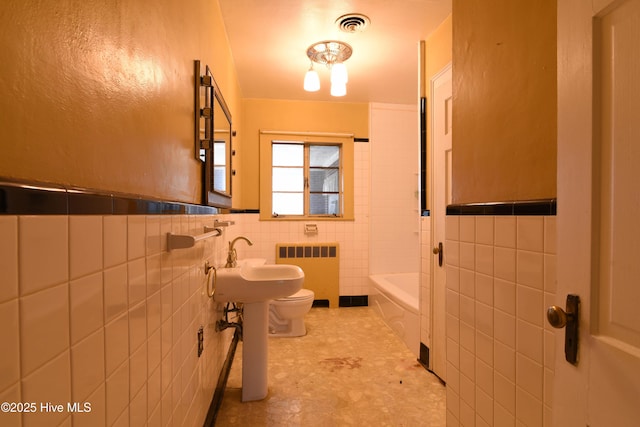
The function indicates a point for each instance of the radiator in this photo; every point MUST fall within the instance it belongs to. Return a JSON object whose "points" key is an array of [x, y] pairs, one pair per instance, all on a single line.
{"points": [[320, 263]]}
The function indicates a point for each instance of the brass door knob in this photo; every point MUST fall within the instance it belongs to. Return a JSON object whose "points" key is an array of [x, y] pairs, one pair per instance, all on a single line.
{"points": [[559, 318], [438, 251], [556, 317]]}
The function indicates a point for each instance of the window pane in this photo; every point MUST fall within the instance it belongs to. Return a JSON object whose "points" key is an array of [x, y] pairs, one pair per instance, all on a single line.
{"points": [[324, 204], [324, 155], [326, 180], [288, 154], [220, 178], [219, 156], [288, 179], [288, 203]]}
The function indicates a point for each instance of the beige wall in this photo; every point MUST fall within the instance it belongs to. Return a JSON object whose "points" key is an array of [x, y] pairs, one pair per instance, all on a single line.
{"points": [[438, 50], [100, 94], [284, 115], [504, 89]]}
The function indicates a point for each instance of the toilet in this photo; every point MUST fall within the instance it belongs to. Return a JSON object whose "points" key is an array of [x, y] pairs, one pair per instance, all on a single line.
{"points": [[286, 315]]}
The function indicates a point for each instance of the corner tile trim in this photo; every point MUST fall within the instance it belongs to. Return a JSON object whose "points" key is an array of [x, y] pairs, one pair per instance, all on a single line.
{"points": [[524, 207], [22, 198]]}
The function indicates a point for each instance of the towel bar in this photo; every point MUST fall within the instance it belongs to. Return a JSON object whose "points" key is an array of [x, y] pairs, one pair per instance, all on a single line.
{"points": [[181, 241]]}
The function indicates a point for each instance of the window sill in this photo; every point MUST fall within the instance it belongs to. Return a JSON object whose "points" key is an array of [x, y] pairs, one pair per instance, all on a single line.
{"points": [[307, 218]]}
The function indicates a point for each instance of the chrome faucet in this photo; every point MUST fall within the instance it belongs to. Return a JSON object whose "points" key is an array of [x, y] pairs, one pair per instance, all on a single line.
{"points": [[232, 256]]}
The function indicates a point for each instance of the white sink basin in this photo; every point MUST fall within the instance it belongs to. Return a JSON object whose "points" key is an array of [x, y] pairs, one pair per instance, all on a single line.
{"points": [[251, 261], [254, 281]]}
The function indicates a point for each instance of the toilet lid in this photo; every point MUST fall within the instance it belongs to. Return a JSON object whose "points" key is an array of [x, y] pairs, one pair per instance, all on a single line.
{"points": [[301, 294]]}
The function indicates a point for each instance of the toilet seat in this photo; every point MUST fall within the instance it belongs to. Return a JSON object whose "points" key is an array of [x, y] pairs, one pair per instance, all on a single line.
{"points": [[302, 294]]}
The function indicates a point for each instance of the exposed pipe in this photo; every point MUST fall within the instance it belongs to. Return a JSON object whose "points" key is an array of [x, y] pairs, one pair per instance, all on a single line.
{"points": [[223, 324]]}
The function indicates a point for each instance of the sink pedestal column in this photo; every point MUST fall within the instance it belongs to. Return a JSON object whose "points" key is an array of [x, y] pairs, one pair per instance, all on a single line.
{"points": [[255, 335]]}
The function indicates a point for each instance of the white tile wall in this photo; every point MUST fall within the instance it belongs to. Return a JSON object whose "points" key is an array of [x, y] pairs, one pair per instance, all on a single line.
{"points": [[10, 336], [43, 252], [94, 309], [500, 273], [395, 216], [9, 257]]}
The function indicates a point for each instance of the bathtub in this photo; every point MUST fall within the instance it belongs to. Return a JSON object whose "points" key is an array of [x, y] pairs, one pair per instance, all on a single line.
{"points": [[395, 298]]}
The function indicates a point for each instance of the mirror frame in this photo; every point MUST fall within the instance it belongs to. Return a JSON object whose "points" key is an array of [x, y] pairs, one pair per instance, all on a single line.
{"points": [[208, 98]]}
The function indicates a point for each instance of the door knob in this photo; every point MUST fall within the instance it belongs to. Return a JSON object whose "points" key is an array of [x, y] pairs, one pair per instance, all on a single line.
{"points": [[438, 251], [559, 318]]}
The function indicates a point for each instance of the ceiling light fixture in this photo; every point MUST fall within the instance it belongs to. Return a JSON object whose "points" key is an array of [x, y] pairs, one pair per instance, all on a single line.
{"points": [[331, 53]]}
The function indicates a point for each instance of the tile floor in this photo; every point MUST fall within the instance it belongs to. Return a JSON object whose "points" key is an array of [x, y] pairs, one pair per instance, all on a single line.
{"points": [[350, 369]]}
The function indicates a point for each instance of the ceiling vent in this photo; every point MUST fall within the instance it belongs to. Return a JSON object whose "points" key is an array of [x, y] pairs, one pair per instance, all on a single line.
{"points": [[353, 22]]}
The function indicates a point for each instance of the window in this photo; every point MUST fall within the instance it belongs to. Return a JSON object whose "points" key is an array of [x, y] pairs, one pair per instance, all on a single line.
{"points": [[306, 179], [220, 165], [303, 178]]}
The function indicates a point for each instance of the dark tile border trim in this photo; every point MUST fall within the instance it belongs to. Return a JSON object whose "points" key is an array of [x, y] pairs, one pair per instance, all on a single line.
{"points": [[245, 211], [22, 198], [324, 303], [424, 356], [526, 207], [353, 301]]}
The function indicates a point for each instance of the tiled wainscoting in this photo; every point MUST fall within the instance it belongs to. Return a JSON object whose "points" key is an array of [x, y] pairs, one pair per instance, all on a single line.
{"points": [[501, 274], [95, 309]]}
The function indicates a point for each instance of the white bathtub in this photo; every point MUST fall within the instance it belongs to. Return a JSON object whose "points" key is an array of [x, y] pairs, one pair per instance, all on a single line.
{"points": [[396, 298]]}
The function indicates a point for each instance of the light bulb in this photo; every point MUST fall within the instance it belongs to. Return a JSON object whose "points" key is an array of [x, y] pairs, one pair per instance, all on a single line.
{"points": [[339, 73], [311, 81], [338, 89]]}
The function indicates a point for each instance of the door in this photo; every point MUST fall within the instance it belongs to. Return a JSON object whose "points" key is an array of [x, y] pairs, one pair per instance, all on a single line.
{"points": [[442, 109], [598, 210]]}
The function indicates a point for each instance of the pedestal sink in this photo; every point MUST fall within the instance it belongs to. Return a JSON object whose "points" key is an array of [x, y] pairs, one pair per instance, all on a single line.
{"points": [[254, 283]]}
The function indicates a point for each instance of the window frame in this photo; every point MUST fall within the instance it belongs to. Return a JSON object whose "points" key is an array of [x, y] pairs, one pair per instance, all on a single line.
{"points": [[345, 144]]}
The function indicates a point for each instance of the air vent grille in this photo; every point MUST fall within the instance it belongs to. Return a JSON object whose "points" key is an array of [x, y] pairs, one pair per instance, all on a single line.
{"points": [[353, 22]]}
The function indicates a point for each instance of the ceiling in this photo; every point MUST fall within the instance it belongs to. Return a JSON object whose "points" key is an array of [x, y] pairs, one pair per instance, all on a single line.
{"points": [[269, 40]]}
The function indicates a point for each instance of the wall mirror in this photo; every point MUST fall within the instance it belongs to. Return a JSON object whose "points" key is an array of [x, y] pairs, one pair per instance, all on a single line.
{"points": [[213, 139]]}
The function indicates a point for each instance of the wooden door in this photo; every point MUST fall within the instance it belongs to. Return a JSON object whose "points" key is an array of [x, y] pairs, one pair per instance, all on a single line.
{"points": [[598, 211], [442, 108]]}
